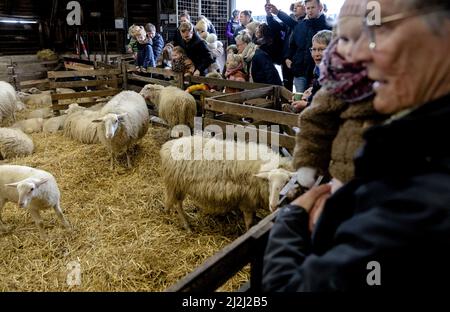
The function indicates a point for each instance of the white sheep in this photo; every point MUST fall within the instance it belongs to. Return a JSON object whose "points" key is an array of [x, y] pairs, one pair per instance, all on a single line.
{"points": [[32, 189], [219, 185], [9, 101], [29, 125], [174, 105], [35, 100], [124, 121], [45, 112], [14, 143], [78, 124], [54, 124]]}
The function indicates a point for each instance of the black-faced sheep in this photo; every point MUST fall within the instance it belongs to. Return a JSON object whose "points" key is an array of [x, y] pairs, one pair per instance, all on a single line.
{"points": [[124, 121], [32, 189], [174, 105], [217, 180]]}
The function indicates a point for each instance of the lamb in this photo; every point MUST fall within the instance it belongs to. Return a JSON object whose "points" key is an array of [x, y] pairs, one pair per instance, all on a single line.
{"points": [[31, 188], [29, 125], [125, 120], [14, 143], [39, 99], [9, 101], [45, 112], [174, 105], [219, 185], [54, 124]]}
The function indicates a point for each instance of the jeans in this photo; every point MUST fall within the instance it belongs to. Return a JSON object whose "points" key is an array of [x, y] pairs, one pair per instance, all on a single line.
{"points": [[145, 57], [300, 84]]}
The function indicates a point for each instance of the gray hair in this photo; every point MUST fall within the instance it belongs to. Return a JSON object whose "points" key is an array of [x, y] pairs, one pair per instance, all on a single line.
{"points": [[244, 37]]}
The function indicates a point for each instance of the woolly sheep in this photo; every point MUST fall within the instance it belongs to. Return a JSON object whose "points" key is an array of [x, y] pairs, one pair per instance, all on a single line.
{"points": [[174, 105], [45, 112], [219, 186], [32, 189], [124, 121], [29, 125], [54, 124], [78, 125], [14, 143], [9, 101], [40, 99]]}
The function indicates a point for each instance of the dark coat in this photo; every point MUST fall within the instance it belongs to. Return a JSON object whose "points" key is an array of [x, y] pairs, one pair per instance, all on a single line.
{"points": [[301, 41], [263, 70], [158, 45], [197, 50], [396, 212]]}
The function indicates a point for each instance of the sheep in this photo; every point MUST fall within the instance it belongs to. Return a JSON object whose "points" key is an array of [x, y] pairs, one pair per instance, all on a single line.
{"points": [[9, 101], [29, 125], [45, 112], [14, 143], [32, 189], [39, 99], [125, 120], [54, 124], [220, 185], [174, 105], [78, 124]]}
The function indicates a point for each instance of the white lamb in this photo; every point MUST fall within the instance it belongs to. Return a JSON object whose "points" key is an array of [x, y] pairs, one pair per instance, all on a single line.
{"points": [[45, 112], [14, 143], [9, 102], [219, 185], [32, 189], [29, 125], [125, 121], [174, 105], [52, 125]]}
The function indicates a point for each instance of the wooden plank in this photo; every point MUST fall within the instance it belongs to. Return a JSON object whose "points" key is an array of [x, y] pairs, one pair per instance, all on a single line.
{"points": [[241, 97], [84, 83], [42, 83], [284, 140], [266, 103], [258, 113], [81, 73], [216, 270], [78, 66], [77, 95], [149, 80], [228, 83]]}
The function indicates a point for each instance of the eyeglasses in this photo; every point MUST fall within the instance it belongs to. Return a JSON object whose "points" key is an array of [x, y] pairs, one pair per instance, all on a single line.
{"points": [[320, 50], [370, 29]]}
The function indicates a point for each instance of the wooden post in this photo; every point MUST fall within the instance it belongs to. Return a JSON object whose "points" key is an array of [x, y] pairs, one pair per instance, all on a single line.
{"points": [[120, 11], [123, 66]]}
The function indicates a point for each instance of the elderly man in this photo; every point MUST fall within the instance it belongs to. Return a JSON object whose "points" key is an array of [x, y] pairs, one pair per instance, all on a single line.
{"points": [[389, 228]]}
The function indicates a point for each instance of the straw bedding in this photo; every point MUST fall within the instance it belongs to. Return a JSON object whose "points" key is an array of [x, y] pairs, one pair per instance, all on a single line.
{"points": [[122, 238]]}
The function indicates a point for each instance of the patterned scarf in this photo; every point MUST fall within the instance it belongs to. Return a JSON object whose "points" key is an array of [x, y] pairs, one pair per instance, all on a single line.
{"points": [[233, 70], [347, 81], [178, 65]]}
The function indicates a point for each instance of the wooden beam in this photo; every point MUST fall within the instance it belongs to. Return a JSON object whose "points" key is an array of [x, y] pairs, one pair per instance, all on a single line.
{"points": [[227, 83], [84, 83], [82, 73], [258, 113], [148, 80], [77, 95]]}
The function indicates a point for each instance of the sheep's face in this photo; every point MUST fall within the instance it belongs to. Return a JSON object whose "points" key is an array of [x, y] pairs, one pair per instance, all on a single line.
{"points": [[111, 122], [277, 178], [27, 190], [151, 92]]}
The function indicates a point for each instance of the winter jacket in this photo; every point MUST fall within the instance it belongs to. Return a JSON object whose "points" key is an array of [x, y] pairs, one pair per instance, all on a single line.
{"points": [[197, 50], [158, 45], [331, 133], [230, 29], [301, 41], [263, 70], [395, 212]]}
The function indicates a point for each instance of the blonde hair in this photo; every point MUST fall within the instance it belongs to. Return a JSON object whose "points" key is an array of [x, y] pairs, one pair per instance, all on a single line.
{"points": [[185, 26]]}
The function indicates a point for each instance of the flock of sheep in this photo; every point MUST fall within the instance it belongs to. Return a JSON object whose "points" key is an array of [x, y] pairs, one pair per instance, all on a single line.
{"points": [[215, 185]]}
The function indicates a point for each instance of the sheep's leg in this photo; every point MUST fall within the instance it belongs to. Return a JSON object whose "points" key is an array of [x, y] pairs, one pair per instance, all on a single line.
{"points": [[128, 160], [61, 217], [36, 216], [182, 215], [172, 200], [111, 165], [248, 218]]}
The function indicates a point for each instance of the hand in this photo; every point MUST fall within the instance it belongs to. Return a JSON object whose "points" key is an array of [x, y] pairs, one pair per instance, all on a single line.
{"points": [[307, 93], [316, 211], [309, 199], [273, 9], [299, 105], [197, 73], [288, 63], [267, 8]]}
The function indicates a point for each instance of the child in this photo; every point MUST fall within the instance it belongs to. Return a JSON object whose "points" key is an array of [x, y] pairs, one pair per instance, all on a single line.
{"points": [[235, 66], [145, 56], [181, 63], [332, 126], [165, 58], [320, 41]]}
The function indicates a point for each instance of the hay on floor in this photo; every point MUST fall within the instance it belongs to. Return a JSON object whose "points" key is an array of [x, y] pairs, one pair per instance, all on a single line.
{"points": [[123, 239]]}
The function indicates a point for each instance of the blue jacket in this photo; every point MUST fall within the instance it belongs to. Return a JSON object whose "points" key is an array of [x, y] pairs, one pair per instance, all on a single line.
{"points": [[301, 41], [288, 24], [158, 45], [197, 50], [396, 212]]}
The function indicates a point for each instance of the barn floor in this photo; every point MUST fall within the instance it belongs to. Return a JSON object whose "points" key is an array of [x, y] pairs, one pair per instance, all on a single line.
{"points": [[123, 240]]}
